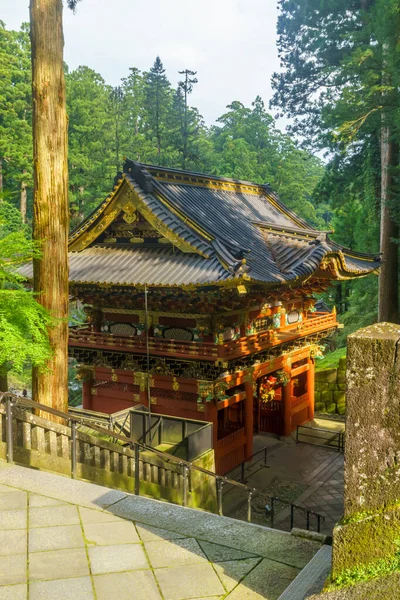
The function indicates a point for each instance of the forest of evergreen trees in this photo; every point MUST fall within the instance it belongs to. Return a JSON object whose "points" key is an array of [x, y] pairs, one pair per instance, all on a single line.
{"points": [[146, 119]]}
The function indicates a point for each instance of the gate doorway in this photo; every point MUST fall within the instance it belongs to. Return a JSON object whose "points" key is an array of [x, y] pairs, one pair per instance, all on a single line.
{"points": [[268, 416]]}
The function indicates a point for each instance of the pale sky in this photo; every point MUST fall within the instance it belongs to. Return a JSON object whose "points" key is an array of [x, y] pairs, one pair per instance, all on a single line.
{"points": [[230, 43]]}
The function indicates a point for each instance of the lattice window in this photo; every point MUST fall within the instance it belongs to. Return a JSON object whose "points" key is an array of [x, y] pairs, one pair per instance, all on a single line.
{"points": [[263, 323], [178, 333], [122, 329]]}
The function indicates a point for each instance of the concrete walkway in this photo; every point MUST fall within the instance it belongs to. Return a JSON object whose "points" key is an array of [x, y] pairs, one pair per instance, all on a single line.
{"points": [[62, 539]]}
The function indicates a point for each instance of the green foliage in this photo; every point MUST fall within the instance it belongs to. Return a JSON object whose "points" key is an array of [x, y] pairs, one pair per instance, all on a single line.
{"points": [[23, 330], [23, 321], [330, 360], [15, 111], [10, 220], [339, 79]]}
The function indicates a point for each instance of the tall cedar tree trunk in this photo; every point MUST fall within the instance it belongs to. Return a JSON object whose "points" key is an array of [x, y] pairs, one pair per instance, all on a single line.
{"points": [[388, 308], [50, 210], [22, 201]]}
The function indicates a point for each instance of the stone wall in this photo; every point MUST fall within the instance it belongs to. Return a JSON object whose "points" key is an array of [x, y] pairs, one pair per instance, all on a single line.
{"points": [[45, 445], [330, 389]]}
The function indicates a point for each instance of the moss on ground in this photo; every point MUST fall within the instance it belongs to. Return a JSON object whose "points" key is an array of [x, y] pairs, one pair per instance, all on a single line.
{"points": [[330, 360]]}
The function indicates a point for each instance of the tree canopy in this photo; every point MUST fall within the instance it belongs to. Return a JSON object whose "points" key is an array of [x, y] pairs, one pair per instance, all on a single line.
{"points": [[23, 321]]}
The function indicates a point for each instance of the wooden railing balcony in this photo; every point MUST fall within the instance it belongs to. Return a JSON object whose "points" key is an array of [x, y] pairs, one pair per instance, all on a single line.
{"points": [[86, 338]]}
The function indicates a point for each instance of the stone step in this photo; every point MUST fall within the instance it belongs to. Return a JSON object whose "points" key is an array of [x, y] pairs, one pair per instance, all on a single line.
{"points": [[311, 579]]}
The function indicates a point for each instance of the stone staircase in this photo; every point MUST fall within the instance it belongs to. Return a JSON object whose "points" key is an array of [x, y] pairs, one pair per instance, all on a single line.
{"points": [[84, 541]]}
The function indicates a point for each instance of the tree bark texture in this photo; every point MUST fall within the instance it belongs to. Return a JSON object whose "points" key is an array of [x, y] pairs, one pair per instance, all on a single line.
{"points": [[388, 308], [50, 210], [22, 202]]}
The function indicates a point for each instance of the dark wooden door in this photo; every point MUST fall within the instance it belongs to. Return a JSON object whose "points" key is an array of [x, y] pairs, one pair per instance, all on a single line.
{"points": [[271, 417]]}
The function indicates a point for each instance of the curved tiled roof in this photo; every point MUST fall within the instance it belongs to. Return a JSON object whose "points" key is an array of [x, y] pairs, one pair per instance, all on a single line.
{"points": [[228, 229]]}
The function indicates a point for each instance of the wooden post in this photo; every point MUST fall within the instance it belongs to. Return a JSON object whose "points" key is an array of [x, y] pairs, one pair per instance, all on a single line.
{"points": [[248, 420], [287, 392], [87, 393], [310, 388]]}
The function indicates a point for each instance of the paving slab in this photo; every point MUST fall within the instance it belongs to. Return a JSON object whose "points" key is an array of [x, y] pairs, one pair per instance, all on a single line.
{"points": [[13, 569], [79, 588], [13, 541], [89, 515], [114, 559], [233, 571], [84, 548], [55, 538], [122, 585], [47, 516], [6, 488], [35, 500], [218, 553], [174, 553], [106, 534], [181, 583], [13, 500], [14, 592], [13, 519], [267, 581], [68, 490], [148, 533], [58, 564], [269, 543]]}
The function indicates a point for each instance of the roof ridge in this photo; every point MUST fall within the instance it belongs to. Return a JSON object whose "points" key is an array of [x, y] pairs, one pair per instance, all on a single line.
{"points": [[149, 167]]}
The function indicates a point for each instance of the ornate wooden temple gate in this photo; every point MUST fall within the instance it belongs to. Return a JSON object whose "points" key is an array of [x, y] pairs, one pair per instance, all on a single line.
{"points": [[229, 330]]}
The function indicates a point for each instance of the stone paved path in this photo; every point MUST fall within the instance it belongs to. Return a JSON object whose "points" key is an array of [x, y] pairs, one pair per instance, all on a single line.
{"points": [[319, 470], [57, 541]]}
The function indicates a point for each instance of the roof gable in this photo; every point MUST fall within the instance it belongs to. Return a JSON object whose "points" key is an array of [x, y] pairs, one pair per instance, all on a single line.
{"points": [[237, 229]]}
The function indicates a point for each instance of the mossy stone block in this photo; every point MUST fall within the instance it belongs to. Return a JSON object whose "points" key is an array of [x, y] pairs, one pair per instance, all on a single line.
{"points": [[342, 363], [379, 588], [331, 408], [317, 397], [320, 406], [332, 386], [326, 397], [341, 409], [322, 386], [365, 541], [339, 397], [341, 377], [327, 375], [341, 387]]}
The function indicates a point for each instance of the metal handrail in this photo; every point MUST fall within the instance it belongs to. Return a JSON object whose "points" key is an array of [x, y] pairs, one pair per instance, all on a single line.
{"points": [[242, 464], [339, 435], [12, 399]]}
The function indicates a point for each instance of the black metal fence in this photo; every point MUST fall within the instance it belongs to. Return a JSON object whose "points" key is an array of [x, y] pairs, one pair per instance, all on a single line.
{"points": [[187, 469], [320, 437]]}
